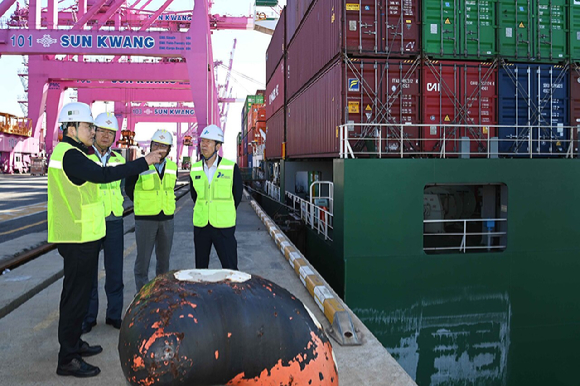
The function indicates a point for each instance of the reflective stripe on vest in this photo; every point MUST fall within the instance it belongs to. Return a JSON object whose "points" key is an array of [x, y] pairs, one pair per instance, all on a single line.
{"points": [[111, 192], [154, 195], [215, 203], [76, 213]]}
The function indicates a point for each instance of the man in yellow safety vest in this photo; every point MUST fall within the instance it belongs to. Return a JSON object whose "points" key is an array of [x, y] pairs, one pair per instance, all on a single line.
{"points": [[106, 126], [152, 192], [217, 192], [76, 223]]}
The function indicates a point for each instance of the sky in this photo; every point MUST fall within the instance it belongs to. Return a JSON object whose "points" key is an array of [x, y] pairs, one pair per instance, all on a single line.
{"points": [[249, 59]]}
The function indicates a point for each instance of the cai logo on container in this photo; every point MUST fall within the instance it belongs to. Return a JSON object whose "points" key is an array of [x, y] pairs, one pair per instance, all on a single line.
{"points": [[353, 84]]}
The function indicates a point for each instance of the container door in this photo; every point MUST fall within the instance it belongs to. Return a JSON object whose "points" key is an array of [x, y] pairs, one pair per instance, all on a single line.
{"points": [[478, 35], [574, 30], [478, 105], [515, 90], [516, 29], [551, 43], [362, 26], [402, 106], [441, 28], [365, 103], [553, 110], [441, 91], [401, 36], [575, 105]]}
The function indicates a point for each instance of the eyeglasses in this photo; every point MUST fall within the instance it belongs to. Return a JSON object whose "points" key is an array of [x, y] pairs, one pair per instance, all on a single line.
{"points": [[105, 132]]}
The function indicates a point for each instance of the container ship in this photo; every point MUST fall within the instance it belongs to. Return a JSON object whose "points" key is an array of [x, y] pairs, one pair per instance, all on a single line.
{"points": [[429, 148]]}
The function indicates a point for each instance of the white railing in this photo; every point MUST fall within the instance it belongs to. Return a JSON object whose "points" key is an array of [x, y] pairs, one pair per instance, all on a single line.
{"points": [[318, 186], [463, 247], [457, 140], [314, 216], [272, 190]]}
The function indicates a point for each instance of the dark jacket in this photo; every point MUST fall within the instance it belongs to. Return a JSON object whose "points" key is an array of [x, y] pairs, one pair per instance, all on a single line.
{"points": [[80, 169]]}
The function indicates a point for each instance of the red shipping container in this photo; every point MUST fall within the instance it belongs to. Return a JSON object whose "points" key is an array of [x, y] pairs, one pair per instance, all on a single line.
{"points": [[275, 130], [368, 27], [383, 27], [262, 114], [295, 11], [274, 99], [458, 93], [276, 47], [356, 91], [575, 103], [402, 106]]}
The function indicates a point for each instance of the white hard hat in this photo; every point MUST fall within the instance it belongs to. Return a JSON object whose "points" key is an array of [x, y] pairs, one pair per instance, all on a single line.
{"points": [[163, 136], [75, 112], [213, 132], [107, 121]]}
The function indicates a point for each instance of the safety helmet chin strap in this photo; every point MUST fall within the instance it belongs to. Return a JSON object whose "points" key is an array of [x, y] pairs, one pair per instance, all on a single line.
{"points": [[212, 154]]}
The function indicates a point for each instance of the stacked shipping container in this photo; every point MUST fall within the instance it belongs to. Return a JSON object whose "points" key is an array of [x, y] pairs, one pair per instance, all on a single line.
{"points": [[367, 62]]}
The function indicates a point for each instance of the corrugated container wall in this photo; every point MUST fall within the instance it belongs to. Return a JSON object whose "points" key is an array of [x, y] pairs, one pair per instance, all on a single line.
{"points": [[382, 27], [377, 28], [275, 91], [533, 30], [276, 47], [536, 95], [575, 102], [296, 10], [459, 29], [275, 134], [460, 93], [316, 43], [574, 29], [313, 117]]}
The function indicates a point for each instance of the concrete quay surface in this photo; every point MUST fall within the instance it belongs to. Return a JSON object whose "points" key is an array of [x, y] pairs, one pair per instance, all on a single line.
{"points": [[28, 333]]}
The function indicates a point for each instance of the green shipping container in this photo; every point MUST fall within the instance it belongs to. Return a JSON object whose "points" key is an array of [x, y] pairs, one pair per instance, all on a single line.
{"points": [[533, 30], [574, 26], [459, 29]]}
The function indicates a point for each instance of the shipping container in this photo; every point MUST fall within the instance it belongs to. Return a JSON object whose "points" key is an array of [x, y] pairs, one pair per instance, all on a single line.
{"points": [[377, 28], [275, 131], [276, 48], [458, 93], [316, 43], [574, 30], [575, 104], [295, 12], [275, 91], [459, 29], [533, 30], [533, 95], [362, 91]]}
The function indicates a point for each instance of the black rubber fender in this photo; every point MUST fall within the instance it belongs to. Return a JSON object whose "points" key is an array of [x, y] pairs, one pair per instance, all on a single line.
{"points": [[222, 327]]}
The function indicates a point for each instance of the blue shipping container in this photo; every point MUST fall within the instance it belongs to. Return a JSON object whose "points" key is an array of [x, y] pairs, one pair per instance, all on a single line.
{"points": [[536, 95], [250, 160]]}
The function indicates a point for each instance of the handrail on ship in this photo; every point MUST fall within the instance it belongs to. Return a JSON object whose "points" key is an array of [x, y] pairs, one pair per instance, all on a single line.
{"points": [[314, 216], [408, 139], [463, 245], [272, 190]]}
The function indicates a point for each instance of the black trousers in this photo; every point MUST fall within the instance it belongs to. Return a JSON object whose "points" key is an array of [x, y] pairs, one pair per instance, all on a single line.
{"points": [[80, 266], [224, 241]]}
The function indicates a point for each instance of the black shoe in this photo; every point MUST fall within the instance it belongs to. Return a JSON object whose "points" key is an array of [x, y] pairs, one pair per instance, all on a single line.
{"points": [[87, 351], [78, 368], [114, 322], [87, 327]]}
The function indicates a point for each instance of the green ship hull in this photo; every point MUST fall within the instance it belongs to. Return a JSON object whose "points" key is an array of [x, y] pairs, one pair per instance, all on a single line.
{"points": [[487, 317]]}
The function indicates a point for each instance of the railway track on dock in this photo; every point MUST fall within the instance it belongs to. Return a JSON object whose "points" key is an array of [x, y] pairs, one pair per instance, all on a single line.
{"points": [[43, 249]]}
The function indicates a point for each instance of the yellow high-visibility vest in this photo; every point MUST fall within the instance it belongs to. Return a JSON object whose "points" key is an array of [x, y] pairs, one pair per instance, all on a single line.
{"points": [[154, 195], [111, 193], [215, 202], [76, 213]]}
